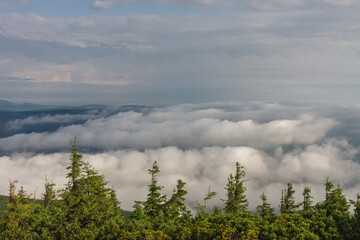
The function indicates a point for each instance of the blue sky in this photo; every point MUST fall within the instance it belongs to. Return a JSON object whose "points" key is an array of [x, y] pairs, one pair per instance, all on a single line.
{"points": [[179, 51]]}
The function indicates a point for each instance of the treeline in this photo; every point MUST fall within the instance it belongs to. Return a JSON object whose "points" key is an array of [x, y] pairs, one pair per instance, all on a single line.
{"points": [[86, 208]]}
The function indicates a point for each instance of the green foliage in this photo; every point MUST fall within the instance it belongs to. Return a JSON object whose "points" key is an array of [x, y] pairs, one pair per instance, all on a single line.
{"points": [[289, 226], [90, 208], [202, 208], [337, 207], [287, 205], [17, 222], [307, 208], [264, 211], [176, 207], [3, 204], [356, 217], [236, 201], [153, 204]]}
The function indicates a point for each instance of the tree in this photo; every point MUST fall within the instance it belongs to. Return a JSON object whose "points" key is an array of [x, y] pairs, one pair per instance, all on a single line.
{"points": [[202, 208], [91, 209], [236, 201], [288, 201], [153, 205], [176, 207], [18, 220], [337, 207], [50, 195], [306, 204], [265, 211], [356, 217]]}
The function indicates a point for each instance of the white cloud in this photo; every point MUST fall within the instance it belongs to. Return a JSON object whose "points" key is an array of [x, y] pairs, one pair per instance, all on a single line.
{"points": [[176, 127], [127, 170]]}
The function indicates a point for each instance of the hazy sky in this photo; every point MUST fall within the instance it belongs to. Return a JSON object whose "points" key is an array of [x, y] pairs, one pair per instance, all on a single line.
{"points": [[179, 51]]}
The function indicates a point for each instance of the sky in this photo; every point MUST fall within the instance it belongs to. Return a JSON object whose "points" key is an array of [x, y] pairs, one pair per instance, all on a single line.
{"points": [[179, 51]]}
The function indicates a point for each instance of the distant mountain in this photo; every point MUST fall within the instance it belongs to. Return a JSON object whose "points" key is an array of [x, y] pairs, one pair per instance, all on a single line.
{"points": [[10, 106], [16, 107]]}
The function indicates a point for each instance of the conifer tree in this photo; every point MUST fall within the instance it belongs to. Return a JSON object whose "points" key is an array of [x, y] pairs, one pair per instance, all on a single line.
{"points": [[236, 201], [265, 211], [306, 204], [356, 217], [210, 195], [337, 207], [18, 220], [153, 205], [288, 200], [176, 207], [50, 195], [90, 207], [282, 205]]}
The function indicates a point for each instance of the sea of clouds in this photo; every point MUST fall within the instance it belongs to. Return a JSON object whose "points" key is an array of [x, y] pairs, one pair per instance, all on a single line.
{"points": [[199, 143]]}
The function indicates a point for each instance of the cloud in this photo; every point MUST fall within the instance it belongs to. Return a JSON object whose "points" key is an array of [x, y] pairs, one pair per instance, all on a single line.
{"points": [[127, 170], [175, 127], [199, 143], [266, 56], [104, 4]]}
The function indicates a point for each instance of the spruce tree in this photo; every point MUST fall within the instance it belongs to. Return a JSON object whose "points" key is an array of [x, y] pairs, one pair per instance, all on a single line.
{"points": [[18, 221], [265, 211], [91, 210], [337, 207], [153, 205], [236, 201], [50, 194], [176, 207], [210, 195], [288, 200], [307, 208], [356, 217]]}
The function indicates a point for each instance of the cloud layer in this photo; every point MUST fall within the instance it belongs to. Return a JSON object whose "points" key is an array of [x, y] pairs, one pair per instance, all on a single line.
{"points": [[171, 127], [210, 166], [277, 144]]}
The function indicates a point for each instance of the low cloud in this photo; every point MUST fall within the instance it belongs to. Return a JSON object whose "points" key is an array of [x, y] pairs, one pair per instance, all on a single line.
{"points": [[174, 127], [127, 170], [199, 143]]}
